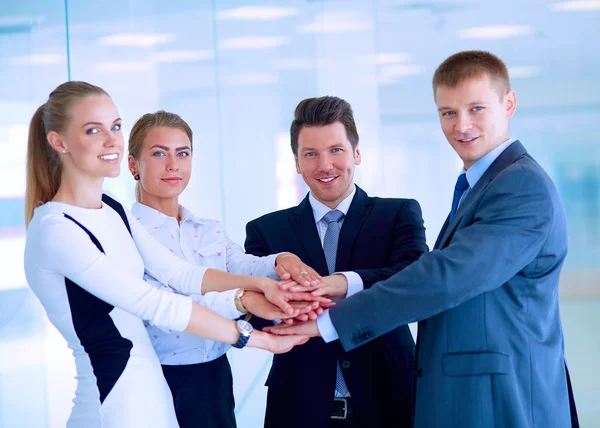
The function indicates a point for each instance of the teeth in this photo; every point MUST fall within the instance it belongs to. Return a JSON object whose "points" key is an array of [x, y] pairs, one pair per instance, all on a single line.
{"points": [[109, 157], [326, 180], [468, 139]]}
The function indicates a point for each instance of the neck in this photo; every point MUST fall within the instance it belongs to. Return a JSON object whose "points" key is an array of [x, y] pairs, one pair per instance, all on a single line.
{"points": [[80, 191], [167, 206]]}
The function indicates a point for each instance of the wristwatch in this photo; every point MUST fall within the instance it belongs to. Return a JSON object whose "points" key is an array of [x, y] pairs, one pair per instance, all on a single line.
{"points": [[237, 299], [245, 329]]}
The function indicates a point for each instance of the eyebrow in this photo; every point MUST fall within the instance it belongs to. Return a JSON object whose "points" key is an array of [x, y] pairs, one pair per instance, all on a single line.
{"points": [[118, 119], [331, 146], [165, 148], [474, 103]]}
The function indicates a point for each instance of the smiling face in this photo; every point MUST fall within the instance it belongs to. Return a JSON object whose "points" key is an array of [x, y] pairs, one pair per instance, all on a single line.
{"points": [[164, 164], [326, 161], [92, 141], [475, 117]]}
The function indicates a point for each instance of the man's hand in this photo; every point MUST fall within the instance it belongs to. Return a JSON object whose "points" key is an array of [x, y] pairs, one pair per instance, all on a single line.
{"points": [[306, 328], [330, 286], [258, 305], [288, 266], [282, 299]]}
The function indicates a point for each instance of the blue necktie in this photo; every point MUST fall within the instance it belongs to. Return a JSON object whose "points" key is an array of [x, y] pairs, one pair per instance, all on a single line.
{"points": [[461, 185], [330, 245]]}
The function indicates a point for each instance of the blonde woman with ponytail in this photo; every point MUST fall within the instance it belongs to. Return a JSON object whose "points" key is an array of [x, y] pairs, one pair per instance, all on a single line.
{"points": [[85, 258]]}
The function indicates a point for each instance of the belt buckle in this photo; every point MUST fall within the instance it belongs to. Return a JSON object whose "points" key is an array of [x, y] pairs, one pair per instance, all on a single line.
{"points": [[345, 408]]}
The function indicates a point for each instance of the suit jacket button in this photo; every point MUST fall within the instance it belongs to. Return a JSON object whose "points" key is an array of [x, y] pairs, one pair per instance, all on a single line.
{"points": [[346, 364], [419, 372]]}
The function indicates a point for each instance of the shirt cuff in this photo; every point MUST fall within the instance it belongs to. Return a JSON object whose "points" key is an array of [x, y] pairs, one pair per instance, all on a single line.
{"points": [[355, 282], [326, 328]]}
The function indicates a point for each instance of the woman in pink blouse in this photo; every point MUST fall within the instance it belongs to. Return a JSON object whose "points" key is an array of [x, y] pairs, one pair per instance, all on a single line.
{"points": [[197, 370]]}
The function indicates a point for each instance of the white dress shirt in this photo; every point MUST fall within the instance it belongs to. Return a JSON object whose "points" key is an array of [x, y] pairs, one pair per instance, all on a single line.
{"points": [[202, 242], [355, 282]]}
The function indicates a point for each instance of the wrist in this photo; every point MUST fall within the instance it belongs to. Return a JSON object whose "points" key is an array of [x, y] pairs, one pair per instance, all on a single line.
{"points": [[240, 299], [259, 339], [281, 256]]}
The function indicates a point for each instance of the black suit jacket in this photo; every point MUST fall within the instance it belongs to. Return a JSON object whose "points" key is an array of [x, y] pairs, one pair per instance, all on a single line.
{"points": [[379, 237]]}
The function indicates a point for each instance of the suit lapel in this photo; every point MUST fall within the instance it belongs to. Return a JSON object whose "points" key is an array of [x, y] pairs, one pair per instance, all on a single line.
{"points": [[357, 213], [303, 222], [506, 158]]}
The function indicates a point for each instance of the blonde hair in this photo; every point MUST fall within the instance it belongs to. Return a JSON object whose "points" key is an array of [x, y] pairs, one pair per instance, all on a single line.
{"points": [[43, 162], [144, 125], [466, 65]]}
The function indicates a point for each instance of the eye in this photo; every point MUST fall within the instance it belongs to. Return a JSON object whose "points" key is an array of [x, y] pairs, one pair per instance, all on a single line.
{"points": [[336, 150], [116, 127], [92, 131], [183, 154], [310, 154], [477, 108], [448, 113], [158, 154]]}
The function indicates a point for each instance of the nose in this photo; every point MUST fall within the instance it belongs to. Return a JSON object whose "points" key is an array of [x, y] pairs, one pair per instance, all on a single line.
{"points": [[463, 123], [173, 164], [325, 163]]}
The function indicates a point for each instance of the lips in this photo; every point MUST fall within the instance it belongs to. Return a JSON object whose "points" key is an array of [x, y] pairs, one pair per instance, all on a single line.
{"points": [[467, 141], [327, 181], [171, 180], [109, 157]]}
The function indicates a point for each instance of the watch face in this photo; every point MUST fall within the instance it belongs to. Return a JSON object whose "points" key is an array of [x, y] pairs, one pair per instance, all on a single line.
{"points": [[245, 326]]}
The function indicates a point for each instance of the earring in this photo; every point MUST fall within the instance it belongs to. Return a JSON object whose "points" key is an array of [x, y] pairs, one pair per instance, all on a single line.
{"points": [[136, 177], [63, 151]]}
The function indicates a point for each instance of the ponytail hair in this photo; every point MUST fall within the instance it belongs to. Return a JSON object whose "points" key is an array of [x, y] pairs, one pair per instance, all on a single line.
{"points": [[44, 167]]}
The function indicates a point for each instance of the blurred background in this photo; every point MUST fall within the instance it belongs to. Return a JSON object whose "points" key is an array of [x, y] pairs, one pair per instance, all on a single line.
{"points": [[235, 70]]}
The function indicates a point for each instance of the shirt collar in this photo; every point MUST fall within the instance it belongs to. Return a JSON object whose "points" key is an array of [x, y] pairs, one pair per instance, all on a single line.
{"points": [[320, 209], [476, 171], [151, 218]]}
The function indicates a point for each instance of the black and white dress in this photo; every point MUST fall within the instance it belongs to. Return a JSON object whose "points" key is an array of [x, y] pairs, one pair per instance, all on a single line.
{"points": [[88, 272]]}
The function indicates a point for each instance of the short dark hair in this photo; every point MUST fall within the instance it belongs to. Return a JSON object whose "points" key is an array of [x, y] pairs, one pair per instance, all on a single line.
{"points": [[471, 64], [320, 112]]}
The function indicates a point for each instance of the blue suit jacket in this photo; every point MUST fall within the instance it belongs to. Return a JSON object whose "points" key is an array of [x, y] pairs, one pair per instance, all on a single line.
{"points": [[490, 348], [379, 237]]}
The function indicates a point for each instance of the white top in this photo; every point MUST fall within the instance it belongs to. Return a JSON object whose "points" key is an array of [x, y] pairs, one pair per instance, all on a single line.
{"points": [[202, 242], [118, 359]]}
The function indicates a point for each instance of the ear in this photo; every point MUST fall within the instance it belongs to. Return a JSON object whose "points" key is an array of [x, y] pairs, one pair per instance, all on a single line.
{"points": [[510, 102], [133, 165], [357, 156], [56, 142], [297, 165]]}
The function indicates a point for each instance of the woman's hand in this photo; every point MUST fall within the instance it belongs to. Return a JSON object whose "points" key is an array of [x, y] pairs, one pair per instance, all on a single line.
{"points": [[275, 344]]}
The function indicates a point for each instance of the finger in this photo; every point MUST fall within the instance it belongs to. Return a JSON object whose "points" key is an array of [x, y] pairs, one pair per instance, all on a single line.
{"points": [[319, 310], [301, 277], [288, 321], [302, 317], [281, 302], [286, 284], [301, 288], [327, 305]]}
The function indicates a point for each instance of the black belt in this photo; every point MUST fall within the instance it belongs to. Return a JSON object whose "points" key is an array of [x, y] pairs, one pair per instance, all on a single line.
{"points": [[342, 408]]}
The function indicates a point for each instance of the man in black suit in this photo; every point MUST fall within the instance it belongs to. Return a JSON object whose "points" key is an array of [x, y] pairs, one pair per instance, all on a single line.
{"points": [[353, 241]]}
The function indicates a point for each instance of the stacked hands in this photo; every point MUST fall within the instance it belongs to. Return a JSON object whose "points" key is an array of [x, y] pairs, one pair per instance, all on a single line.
{"points": [[297, 300]]}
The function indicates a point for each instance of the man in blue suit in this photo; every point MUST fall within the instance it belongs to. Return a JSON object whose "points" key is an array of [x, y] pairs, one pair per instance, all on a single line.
{"points": [[353, 241], [490, 351]]}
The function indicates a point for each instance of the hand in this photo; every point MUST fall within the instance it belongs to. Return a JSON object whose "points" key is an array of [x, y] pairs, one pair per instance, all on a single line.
{"points": [[289, 266], [307, 328], [258, 305], [282, 299], [310, 315], [275, 344], [331, 286]]}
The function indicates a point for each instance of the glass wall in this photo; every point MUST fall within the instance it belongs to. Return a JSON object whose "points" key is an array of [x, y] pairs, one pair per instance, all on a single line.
{"points": [[235, 71]]}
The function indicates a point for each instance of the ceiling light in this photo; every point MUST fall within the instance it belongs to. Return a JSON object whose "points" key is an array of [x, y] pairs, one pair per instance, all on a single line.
{"points": [[253, 42], [522, 72], [38, 59], [256, 13], [124, 67], [145, 40], [392, 58], [577, 5], [182, 56], [495, 31]]}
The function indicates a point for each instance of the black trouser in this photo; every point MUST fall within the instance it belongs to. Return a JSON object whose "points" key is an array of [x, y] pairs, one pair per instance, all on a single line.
{"points": [[202, 394]]}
